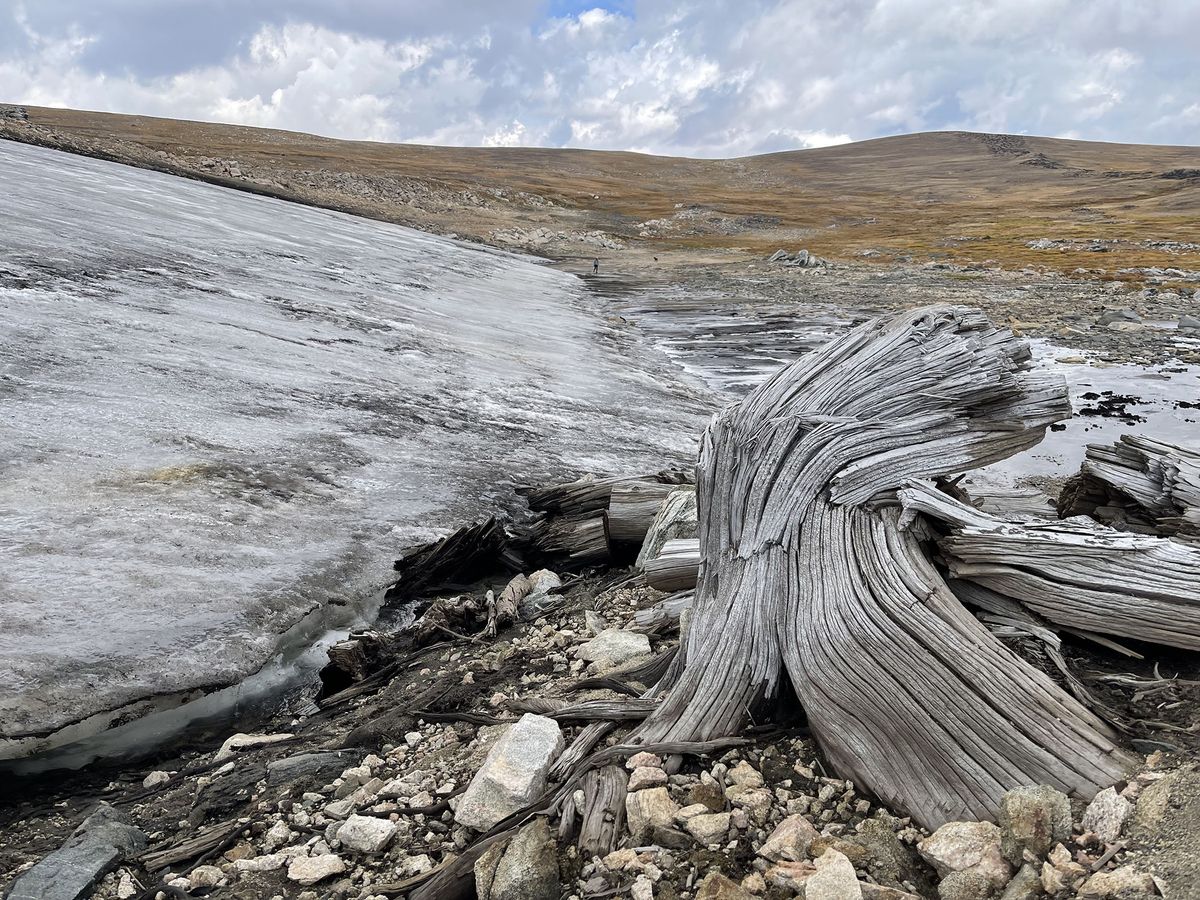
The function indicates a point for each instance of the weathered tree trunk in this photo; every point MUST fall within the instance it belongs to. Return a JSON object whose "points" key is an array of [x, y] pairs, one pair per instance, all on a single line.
{"points": [[805, 577], [1138, 484]]}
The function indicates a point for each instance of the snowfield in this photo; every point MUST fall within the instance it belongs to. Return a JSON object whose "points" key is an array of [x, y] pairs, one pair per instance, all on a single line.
{"points": [[219, 412]]}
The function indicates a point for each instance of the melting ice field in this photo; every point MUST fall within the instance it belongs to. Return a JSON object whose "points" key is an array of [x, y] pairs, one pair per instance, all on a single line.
{"points": [[220, 411]]}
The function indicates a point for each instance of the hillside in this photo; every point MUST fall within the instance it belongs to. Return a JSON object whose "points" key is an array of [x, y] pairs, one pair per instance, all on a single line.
{"points": [[951, 196]]}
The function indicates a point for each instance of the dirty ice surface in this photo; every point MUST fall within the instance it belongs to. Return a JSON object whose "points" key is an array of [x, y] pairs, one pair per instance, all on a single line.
{"points": [[221, 411]]}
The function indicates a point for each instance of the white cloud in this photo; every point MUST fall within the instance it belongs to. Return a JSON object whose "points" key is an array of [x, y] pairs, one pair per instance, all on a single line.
{"points": [[694, 77]]}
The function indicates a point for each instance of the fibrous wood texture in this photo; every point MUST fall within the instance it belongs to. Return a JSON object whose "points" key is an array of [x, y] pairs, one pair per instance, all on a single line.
{"points": [[1138, 484], [676, 567], [806, 577], [1078, 574]]}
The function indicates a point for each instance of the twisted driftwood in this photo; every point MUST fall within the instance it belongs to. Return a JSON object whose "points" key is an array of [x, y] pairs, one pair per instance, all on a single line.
{"points": [[805, 576]]}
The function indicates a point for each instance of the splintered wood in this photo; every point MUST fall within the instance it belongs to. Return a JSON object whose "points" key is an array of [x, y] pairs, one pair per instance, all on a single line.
{"points": [[808, 576]]}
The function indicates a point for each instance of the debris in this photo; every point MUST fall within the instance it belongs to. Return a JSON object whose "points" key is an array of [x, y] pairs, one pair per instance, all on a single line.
{"points": [[513, 774]]}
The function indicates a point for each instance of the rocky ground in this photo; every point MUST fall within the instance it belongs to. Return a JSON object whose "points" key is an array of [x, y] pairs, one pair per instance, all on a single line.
{"points": [[390, 779]]}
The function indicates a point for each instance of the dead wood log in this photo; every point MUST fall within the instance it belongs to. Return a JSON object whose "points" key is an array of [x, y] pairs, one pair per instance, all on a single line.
{"points": [[676, 568], [806, 578], [1078, 574], [632, 507], [627, 710], [578, 540], [602, 822], [453, 561], [1138, 484], [503, 610]]}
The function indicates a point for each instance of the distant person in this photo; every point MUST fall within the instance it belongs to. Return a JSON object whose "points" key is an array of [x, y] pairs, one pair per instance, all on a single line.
{"points": [[595, 266]]}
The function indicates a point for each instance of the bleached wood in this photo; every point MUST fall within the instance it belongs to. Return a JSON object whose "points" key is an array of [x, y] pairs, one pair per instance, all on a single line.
{"points": [[805, 577], [632, 507], [1076, 573], [676, 567]]}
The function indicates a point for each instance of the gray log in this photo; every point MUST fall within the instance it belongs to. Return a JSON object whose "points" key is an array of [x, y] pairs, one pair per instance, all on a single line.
{"points": [[808, 577]]}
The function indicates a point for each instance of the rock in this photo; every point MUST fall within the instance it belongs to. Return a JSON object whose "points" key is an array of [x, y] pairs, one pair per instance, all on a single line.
{"points": [[302, 765], [790, 840], [239, 741], [618, 860], [791, 876], [670, 838], [834, 879], [1126, 326], [415, 865], [676, 519], [1025, 885], [882, 892], [891, 861], [1125, 883], [643, 759], [716, 886], [125, 887], [268, 862], [366, 834], [485, 869], [93, 850], [642, 889], [707, 793], [745, 775], [593, 622], [1189, 323], [1033, 818], [156, 779], [856, 853], [513, 774], [1165, 829], [205, 877], [1123, 314], [528, 870], [646, 776], [613, 647], [967, 846], [1106, 815], [755, 801], [278, 835], [709, 828], [311, 869], [968, 885], [649, 809], [542, 582]]}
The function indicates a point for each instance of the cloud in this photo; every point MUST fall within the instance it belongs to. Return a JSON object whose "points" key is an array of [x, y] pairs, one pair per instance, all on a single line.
{"points": [[683, 77]]}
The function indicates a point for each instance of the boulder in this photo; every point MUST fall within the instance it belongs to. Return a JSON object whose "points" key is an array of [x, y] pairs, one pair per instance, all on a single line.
{"points": [[366, 834], [1106, 815], [966, 886], [1025, 885], [311, 869], [156, 779], [834, 879], [514, 773], [1033, 818], [239, 742], [613, 647], [967, 846], [1125, 883], [647, 810], [676, 519], [93, 850], [485, 869], [791, 876], [790, 840], [1189, 323], [708, 828], [716, 886], [1123, 314], [528, 870]]}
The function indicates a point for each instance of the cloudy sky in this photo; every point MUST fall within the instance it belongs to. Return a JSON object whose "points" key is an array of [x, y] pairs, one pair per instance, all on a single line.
{"points": [[689, 77]]}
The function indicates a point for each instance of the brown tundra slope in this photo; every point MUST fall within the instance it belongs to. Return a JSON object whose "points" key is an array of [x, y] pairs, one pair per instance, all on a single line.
{"points": [[950, 196]]}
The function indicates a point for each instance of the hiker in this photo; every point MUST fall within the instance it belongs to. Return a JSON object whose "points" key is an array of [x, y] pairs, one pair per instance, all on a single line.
{"points": [[595, 266]]}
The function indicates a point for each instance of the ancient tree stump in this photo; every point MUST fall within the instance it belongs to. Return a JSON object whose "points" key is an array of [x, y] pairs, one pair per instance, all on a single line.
{"points": [[808, 575]]}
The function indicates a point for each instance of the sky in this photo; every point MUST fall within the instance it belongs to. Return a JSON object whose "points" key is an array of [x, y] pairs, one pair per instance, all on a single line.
{"points": [[712, 78]]}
